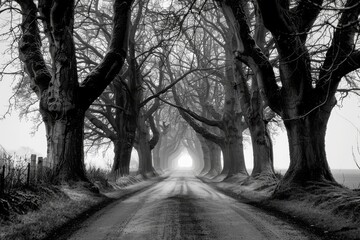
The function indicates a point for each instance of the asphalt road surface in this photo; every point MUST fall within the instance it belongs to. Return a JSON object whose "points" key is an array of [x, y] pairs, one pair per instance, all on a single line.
{"points": [[183, 207]]}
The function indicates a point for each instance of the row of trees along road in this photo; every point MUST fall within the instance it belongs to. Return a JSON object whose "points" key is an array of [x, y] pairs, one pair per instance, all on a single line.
{"points": [[229, 67]]}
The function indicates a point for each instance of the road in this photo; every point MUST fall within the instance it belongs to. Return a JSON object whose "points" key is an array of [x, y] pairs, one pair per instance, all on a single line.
{"points": [[183, 207]]}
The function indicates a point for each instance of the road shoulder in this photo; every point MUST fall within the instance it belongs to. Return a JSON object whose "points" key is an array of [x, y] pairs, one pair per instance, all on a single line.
{"points": [[58, 216], [306, 209]]}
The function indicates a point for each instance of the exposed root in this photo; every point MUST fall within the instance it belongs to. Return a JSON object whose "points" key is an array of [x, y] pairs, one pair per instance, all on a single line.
{"points": [[266, 182], [211, 174], [236, 178]]}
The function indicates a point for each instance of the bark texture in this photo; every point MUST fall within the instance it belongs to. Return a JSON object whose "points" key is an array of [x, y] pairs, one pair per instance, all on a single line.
{"points": [[206, 155], [144, 146], [215, 160], [304, 104], [253, 106], [63, 101]]}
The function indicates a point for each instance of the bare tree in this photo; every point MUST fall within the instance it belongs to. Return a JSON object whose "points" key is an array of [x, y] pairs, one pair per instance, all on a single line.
{"points": [[306, 97], [63, 100]]}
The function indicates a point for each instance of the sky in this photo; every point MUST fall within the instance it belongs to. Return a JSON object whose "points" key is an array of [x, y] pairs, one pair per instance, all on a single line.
{"points": [[15, 132]]}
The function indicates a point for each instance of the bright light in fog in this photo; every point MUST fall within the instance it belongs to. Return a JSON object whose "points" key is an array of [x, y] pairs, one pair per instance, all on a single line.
{"points": [[185, 161]]}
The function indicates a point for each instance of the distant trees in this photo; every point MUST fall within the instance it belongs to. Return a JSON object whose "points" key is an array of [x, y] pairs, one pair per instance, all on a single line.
{"points": [[242, 105]]}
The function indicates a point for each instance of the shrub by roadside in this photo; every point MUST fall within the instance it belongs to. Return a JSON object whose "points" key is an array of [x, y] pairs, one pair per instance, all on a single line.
{"points": [[34, 212], [53, 207]]}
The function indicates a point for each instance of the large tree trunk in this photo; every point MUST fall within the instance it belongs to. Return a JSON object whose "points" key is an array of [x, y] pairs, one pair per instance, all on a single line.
{"points": [[206, 155], [307, 150], [63, 101], [303, 102], [234, 160], [232, 146], [122, 152], [125, 142], [145, 160], [252, 103], [143, 148], [215, 160], [65, 145], [262, 150], [156, 155], [123, 147]]}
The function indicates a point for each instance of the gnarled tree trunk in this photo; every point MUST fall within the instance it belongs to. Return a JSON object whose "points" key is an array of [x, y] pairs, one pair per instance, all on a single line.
{"points": [[307, 150], [63, 101], [206, 155], [215, 160], [122, 155], [143, 148], [262, 150], [233, 155], [303, 102], [64, 139]]}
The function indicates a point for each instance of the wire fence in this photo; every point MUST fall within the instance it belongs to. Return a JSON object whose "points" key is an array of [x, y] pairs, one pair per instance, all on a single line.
{"points": [[16, 172]]}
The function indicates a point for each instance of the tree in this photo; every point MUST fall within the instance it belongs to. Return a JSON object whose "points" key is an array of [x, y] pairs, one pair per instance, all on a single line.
{"points": [[162, 129], [306, 97], [193, 146], [119, 113], [63, 100], [211, 51], [230, 141], [253, 105], [171, 144]]}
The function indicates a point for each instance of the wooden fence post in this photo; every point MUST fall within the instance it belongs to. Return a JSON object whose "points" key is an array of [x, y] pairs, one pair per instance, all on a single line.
{"points": [[2, 181], [40, 169], [33, 168], [28, 175]]}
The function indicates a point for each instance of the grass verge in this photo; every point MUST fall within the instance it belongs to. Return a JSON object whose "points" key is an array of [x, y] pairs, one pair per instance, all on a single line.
{"points": [[332, 212], [61, 210]]}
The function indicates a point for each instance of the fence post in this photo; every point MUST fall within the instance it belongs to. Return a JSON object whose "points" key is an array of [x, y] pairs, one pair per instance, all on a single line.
{"points": [[40, 169], [28, 175], [32, 168], [2, 181]]}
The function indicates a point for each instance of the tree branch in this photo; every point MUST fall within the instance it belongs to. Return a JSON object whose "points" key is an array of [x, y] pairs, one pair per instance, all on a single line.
{"points": [[105, 72], [341, 57], [173, 82], [99, 124], [250, 54], [156, 135], [29, 47]]}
